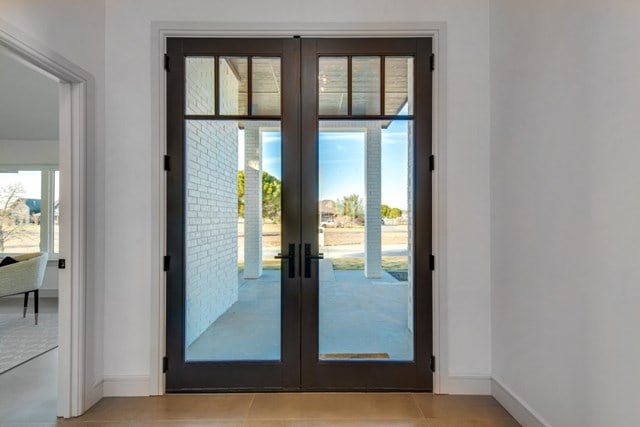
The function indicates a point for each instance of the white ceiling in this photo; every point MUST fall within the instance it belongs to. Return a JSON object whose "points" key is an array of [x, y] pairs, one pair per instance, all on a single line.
{"points": [[28, 102]]}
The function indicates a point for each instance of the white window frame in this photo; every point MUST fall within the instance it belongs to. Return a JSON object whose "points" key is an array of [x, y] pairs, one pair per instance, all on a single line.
{"points": [[47, 200]]}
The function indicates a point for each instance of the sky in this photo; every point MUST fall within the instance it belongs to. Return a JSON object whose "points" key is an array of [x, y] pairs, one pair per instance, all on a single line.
{"points": [[341, 162], [31, 182]]}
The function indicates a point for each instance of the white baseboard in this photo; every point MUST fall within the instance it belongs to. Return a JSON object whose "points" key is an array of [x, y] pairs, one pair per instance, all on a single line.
{"points": [[44, 293], [522, 412], [94, 395], [468, 384], [48, 293], [126, 385]]}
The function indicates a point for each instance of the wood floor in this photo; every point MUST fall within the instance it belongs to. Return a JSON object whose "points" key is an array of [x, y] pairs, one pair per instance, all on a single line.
{"points": [[28, 398], [300, 410]]}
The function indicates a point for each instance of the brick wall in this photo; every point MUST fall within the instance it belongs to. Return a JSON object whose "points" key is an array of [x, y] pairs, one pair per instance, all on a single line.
{"points": [[211, 206]]}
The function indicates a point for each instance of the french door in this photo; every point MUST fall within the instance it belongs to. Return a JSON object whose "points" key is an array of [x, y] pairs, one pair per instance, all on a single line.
{"points": [[298, 214]]}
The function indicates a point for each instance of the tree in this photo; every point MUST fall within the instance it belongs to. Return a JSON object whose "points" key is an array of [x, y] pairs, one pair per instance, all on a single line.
{"points": [[394, 213], [10, 201], [271, 196], [241, 194], [384, 211], [350, 206]]}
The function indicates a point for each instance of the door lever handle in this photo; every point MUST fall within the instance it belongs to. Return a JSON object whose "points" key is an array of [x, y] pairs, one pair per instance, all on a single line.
{"points": [[291, 256], [307, 259]]}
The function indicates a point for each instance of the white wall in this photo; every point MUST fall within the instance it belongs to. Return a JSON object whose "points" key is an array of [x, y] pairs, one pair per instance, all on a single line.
{"points": [[129, 134], [22, 152], [75, 30], [565, 195]]}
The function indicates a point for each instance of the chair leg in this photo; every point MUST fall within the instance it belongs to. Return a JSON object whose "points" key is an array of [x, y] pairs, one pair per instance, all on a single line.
{"points": [[26, 302], [36, 295]]}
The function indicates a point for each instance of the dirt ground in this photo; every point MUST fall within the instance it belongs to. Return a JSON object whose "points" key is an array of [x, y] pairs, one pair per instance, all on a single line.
{"points": [[27, 240], [333, 236]]}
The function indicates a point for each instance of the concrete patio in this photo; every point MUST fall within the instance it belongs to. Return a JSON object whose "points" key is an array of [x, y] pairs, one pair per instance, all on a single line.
{"points": [[358, 316]]}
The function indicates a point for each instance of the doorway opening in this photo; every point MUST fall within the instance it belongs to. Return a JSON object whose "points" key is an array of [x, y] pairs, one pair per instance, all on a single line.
{"points": [[29, 237], [59, 226]]}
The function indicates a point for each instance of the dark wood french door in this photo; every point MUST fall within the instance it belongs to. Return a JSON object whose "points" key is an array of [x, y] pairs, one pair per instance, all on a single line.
{"points": [[298, 214]]}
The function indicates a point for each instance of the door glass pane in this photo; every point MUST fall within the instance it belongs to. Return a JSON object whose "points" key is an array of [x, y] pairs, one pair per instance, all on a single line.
{"points": [[398, 85], [200, 85], [365, 77], [265, 86], [233, 85], [333, 76], [233, 184], [364, 211]]}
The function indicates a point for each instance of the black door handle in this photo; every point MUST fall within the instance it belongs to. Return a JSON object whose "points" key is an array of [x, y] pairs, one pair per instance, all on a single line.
{"points": [[307, 259], [291, 256]]}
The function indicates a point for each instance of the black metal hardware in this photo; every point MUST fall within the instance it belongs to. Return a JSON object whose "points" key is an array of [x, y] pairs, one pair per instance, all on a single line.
{"points": [[167, 163], [432, 262], [432, 61], [432, 363], [165, 364], [166, 62], [62, 263], [432, 162], [307, 259], [291, 256], [166, 263]]}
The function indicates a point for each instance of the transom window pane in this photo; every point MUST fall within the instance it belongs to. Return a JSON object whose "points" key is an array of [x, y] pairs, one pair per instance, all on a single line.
{"points": [[200, 85], [398, 85], [365, 72], [333, 85], [233, 85], [266, 88]]}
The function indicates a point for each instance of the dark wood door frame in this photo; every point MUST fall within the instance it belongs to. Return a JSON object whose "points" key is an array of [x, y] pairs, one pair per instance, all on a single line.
{"points": [[183, 376], [299, 367], [374, 375]]}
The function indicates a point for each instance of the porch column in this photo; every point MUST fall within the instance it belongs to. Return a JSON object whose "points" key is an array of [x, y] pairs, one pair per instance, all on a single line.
{"points": [[410, 195], [252, 201], [373, 216]]}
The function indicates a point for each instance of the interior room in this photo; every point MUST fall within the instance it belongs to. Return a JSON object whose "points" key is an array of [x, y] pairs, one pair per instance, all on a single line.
{"points": [[29, 232], [510, 262]]}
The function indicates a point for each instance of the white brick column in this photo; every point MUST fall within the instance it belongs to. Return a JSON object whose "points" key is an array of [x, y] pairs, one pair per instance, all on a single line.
{"points": [[252, 201], [411, 234], [410, 213], [373, 216]]}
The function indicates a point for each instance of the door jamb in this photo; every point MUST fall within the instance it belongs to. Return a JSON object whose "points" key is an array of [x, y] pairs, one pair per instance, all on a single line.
{"points": [[75, 83], [160, 31]]}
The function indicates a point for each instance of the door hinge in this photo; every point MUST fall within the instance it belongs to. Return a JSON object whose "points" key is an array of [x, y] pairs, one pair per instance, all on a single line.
{"points": [[432, 162], [432, 61], [166, 263], [166, 62], [62, 263], [167, 163], [432, 262], [165, 364], [432, 363]]}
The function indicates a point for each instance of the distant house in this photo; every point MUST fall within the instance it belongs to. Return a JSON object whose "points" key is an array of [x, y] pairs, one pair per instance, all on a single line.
{"points": [[327, 210], [21, 213], [34, 206]]}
